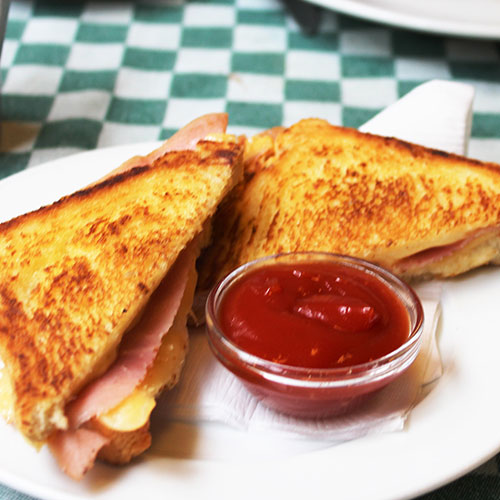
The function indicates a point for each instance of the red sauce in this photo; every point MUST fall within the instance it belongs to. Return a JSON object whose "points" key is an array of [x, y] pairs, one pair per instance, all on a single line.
{"points": [[315, 315]]}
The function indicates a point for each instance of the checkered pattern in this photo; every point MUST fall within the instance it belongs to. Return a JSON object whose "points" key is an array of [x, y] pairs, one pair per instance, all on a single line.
{"points": [[79, 76]]}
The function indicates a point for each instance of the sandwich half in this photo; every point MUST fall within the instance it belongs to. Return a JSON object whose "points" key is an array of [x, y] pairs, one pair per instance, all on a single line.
{"points": [[419, 212], [95, 290]]}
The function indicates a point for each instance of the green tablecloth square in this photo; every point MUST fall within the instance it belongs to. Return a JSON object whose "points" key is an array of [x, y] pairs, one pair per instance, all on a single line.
{"points": [[158, 14], [75, 133], [25, 107], [136, 111], [85, 80], [165, 133], [362, 66], [296, 90], [261, 17], [42, 54], [222, 2], [155, 60], [101, 33], [323, 42], [14, 29], [355, 23], [270, 64], [11, 163], [198, 85], [254, 114], [486, 125], [409, 43], [475, 70], [53, 8], [216, 38], [405, 86], [355, 117]]}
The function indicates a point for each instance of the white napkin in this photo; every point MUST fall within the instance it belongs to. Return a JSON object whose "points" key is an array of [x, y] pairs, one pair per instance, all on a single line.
{"points": [[208, 392], [437, 114]]}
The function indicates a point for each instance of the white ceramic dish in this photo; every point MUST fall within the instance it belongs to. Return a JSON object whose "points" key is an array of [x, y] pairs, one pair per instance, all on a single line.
{"points": [[453, 430], [478, 19]]}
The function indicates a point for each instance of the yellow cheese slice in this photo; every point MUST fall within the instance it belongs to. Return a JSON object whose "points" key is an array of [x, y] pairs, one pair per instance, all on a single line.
{"points": [[133, 412], [6, 396]]}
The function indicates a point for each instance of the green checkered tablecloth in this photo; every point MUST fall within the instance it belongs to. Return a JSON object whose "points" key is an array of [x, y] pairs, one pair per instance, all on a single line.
{"points": [[84, 75]]}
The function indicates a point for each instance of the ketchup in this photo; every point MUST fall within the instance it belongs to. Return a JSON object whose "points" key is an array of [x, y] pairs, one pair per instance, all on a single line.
{"points": [[313, 315]]}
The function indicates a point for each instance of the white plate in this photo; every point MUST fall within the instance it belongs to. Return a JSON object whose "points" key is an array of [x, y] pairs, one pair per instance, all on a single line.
{"points": [[452, 431], [471, 18]]}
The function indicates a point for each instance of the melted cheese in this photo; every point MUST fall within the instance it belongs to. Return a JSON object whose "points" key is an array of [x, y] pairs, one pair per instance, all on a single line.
{"points": [[6, 396], [131, 413], [134, 411]]}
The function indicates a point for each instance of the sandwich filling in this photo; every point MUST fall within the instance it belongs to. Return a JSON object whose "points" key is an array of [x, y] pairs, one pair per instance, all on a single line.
{"points": [[112, 409], [137, 361], [150, 355], [482, 245]]}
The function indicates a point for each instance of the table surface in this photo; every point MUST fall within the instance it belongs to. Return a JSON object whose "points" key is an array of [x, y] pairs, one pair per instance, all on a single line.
{"points": [[85, 75]]}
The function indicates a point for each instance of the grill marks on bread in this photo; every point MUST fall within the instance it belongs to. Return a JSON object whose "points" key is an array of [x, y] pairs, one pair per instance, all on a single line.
{"points": [[75, 274], [321, 187]]}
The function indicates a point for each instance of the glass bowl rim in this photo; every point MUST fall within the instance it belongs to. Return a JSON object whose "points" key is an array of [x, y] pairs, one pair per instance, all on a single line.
{"points": [[379, 368]]}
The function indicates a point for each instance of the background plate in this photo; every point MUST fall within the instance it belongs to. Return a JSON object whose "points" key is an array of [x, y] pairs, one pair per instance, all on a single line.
{"points": [[470, 18], [452, 431]]}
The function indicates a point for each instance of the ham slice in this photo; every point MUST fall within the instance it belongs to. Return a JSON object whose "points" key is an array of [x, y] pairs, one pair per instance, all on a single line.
{"points": [[76, 451], [184, 139], [434, 254], [187, 137], [138, 348], [76, 448]]}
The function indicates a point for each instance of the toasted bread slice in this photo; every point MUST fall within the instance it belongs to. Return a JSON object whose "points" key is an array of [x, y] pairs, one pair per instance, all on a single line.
{"points": [[76, 274], [127, 425], [319, 187]]}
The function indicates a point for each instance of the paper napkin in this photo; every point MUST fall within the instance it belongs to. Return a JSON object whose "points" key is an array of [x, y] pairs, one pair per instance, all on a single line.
{"points": [[436, 114], [208, 392]]}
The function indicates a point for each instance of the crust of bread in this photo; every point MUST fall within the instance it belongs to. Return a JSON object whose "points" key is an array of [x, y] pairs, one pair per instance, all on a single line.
{"points": [[318, 187], [123, 446], [162, 375], [75, 274], [477, 253]]}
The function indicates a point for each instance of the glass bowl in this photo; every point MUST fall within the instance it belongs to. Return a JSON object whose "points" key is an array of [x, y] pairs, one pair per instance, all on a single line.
{"points": [[314, 392]]}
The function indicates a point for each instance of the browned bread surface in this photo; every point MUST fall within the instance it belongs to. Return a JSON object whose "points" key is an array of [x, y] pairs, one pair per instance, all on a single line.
{"points": [[319, 187], [74, 275]]}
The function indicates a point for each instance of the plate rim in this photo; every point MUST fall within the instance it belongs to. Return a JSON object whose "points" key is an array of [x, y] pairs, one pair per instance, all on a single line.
{"points": [[402, 19], [110, 157]]}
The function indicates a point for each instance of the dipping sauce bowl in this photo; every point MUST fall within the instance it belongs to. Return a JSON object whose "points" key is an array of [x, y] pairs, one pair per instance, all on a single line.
{"points": [[313, 334]]}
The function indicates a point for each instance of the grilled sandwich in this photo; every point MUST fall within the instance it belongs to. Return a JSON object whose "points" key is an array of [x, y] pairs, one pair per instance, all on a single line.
{"points": [[419, 212], [94, 294]]}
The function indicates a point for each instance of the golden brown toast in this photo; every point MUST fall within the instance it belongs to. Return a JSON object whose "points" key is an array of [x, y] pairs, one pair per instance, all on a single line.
{"points": [[127, 425], [319, 187], [75, 274]]}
